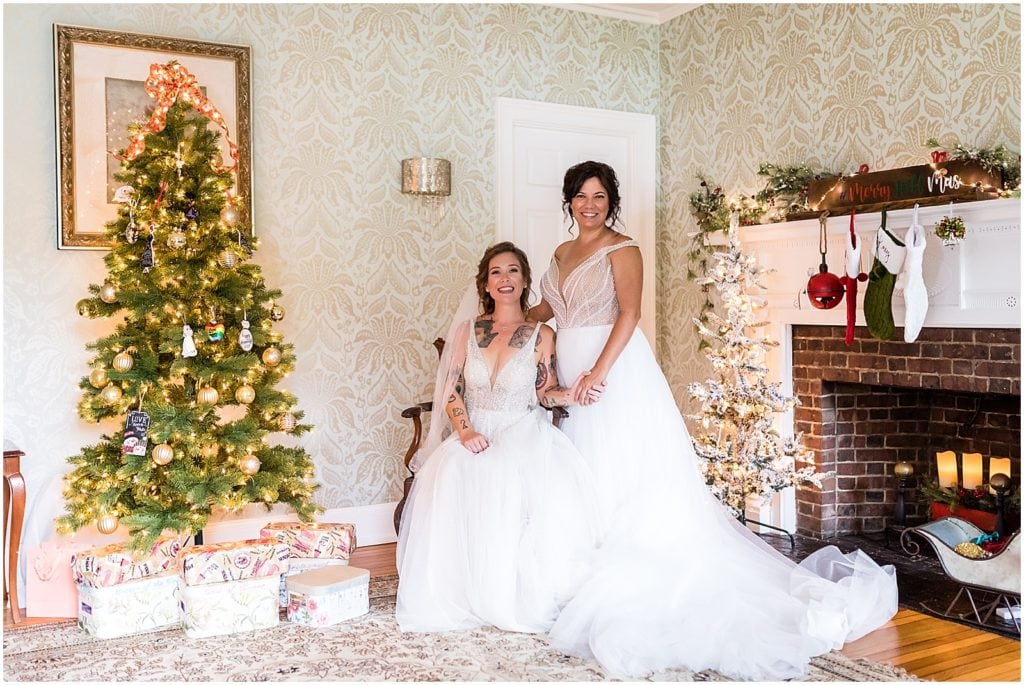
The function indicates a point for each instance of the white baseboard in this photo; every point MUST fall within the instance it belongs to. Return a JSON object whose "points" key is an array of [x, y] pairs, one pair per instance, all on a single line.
{"points": [[374, 523]]}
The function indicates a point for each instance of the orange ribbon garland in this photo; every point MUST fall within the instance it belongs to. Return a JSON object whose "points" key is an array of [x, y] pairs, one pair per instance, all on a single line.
{"points": [[167, 83]]}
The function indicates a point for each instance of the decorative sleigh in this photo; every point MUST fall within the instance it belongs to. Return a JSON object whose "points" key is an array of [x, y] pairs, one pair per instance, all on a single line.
{"points": [[989, 593]]}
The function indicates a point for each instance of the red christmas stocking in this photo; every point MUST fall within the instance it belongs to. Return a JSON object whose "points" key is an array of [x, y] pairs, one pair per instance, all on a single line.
{"points": [[853, 274]]}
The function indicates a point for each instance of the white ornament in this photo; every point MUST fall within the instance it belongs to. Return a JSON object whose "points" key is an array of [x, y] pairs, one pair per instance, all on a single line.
{"points": [[245, 337], [123, 194], [188, 345]]}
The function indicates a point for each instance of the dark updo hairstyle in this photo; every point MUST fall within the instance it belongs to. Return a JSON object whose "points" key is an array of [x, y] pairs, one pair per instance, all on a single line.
{"points": [[486, 301], [577, 175]]}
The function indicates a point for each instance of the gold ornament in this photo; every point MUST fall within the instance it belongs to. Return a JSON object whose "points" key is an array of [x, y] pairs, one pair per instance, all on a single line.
{"points": [[163, 454], [106, 524], [84, 308], [108, 293], [276, 312], [969, 550], [249, 464], [123, 362], [271, 356], [227, 259], [230, 215], [177, 239], [208, 395], [287, 423], [98, 378], [209, 451], [111, 394], [245, 394]]}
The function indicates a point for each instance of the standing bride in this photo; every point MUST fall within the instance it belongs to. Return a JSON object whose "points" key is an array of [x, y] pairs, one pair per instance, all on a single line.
{"points": [[679, 583], [502, 520]]}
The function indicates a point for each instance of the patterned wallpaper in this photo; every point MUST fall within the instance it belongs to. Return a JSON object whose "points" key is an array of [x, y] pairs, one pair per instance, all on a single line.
{"points": [[832, 85], [343, 92]]}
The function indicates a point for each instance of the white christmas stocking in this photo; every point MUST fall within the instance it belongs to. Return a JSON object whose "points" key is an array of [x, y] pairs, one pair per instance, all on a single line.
{"points": [[915, 294]]}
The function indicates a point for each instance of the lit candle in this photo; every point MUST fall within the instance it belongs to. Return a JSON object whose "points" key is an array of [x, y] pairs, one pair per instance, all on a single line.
{"points": [[972, 470], [998, 465], [947, 468]]}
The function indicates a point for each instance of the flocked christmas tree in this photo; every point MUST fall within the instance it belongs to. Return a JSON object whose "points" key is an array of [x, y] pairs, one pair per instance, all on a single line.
{"points": [[742, 453], [192, 369]]}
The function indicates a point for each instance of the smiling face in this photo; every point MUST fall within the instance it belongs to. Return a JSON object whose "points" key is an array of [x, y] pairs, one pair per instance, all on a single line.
{"points": [[590, 205], [503, 274]]}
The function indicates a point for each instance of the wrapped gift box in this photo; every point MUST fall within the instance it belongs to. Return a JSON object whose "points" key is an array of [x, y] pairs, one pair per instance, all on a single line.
{"points": [[328, 595], [233, 607], [314, 540], [229, 561], [129, 608], [115, 564], [298, 565]]}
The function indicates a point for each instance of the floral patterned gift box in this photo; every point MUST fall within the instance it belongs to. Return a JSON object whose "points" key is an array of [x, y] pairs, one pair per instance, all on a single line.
{"points": [[328, 595], [228, 561], [129, 608], [301, 565], [309, 540], [115, 564], [232, 607]]}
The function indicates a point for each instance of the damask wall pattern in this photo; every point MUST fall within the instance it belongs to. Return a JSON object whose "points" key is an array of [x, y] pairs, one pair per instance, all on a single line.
{"points": [[341, 93], [831, 85]]}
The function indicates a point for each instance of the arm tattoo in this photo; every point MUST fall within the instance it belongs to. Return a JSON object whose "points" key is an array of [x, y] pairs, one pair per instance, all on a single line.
{"points": [[551, 367], [519, 338], [457, 411], [462, 424], [542, 375], [484, 333]]}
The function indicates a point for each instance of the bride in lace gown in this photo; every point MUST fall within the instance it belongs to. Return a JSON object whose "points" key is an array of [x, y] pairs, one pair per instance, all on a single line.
{"points": [[678, 582], [502, 520]]}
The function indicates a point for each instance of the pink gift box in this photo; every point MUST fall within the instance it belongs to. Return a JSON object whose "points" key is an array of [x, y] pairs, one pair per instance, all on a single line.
{"points": [[313, 540], [115, 564], [227, 561]]}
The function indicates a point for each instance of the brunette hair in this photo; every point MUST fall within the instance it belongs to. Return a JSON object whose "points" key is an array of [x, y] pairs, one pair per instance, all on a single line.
{"points": [[577, 175], [481, 275]]}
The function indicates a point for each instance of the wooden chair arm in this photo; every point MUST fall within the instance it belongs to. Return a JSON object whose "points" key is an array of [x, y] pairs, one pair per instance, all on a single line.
{"points": [[414, 413]]}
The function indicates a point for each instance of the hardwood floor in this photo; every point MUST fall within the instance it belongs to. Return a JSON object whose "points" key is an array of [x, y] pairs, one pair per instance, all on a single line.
{"points": [[928, 647]]}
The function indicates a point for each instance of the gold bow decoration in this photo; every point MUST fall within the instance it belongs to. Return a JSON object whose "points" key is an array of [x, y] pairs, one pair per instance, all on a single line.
{"points": [[166, 84]]}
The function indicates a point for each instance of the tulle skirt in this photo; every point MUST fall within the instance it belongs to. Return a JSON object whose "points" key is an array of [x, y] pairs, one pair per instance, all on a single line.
{"points": [[679, 582], [501, 538]]}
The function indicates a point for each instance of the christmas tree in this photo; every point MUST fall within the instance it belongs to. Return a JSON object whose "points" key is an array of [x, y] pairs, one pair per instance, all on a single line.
{"points": [[192, 368], [741, 452]]}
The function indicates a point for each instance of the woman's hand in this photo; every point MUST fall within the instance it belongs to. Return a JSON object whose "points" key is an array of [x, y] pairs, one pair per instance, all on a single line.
{"points": [[473, 441], [588, 388]]}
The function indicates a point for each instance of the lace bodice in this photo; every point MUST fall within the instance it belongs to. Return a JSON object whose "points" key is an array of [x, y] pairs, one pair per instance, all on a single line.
{"points": [[514, 393], [589, 290]]}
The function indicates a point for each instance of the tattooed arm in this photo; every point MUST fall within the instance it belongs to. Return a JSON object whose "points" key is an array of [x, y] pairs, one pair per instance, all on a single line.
{"points": [[455, 407], [549, 392]]}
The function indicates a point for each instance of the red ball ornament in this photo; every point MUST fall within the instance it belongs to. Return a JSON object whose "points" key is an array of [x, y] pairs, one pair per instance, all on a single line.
{"points": [[824, 289]]}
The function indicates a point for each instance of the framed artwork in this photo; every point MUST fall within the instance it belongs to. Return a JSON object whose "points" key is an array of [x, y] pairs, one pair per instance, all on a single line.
{"points": [[100, 88]]}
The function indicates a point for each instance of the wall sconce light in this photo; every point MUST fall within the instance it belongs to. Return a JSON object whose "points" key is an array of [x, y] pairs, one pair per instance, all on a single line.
{"points": [[903, 470], [431, 179]]}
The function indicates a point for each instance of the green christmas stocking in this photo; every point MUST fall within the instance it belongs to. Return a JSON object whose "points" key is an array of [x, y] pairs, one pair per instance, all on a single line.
{"points": [[889, 254]]}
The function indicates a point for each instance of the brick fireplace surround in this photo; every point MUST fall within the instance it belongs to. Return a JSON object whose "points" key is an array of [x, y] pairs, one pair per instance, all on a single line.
{"points": [[872, 404]]}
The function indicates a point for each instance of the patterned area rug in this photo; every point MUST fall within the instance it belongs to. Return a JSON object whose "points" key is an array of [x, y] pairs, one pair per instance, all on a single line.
{"points": [[368, 648]]}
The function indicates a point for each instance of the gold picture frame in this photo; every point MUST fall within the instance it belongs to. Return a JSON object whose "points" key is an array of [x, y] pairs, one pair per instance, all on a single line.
{"points": [[99, 77]]}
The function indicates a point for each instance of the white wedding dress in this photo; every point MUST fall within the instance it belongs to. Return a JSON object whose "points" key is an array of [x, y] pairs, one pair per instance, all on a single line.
{"points": [[503, 537], [679, 582]]}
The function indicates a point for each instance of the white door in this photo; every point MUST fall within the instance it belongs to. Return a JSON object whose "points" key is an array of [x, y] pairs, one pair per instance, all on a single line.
{"points": [[536, 142]]}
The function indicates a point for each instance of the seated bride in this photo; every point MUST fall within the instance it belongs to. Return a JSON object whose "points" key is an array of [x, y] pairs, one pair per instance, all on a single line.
{"points": [[502, 520]]}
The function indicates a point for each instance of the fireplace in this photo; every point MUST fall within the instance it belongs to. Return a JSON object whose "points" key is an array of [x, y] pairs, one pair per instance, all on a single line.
{"points": [[867, 406]]}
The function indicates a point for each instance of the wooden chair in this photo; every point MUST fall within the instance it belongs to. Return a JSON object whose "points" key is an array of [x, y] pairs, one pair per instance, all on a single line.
{"points": [[996, 579], [415, 413]]}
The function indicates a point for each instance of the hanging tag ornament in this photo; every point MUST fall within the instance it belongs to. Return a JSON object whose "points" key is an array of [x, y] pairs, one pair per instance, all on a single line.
{"points": [[245, 336], [135, 439], [214, 331], [147, 256], [188, 343]]}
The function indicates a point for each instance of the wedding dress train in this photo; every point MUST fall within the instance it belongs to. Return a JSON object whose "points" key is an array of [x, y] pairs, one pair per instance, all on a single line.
{"points": [[678, 581]]}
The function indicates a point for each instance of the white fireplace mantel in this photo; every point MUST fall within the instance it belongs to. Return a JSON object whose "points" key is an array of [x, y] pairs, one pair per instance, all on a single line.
{"points": [[973, 284]]}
